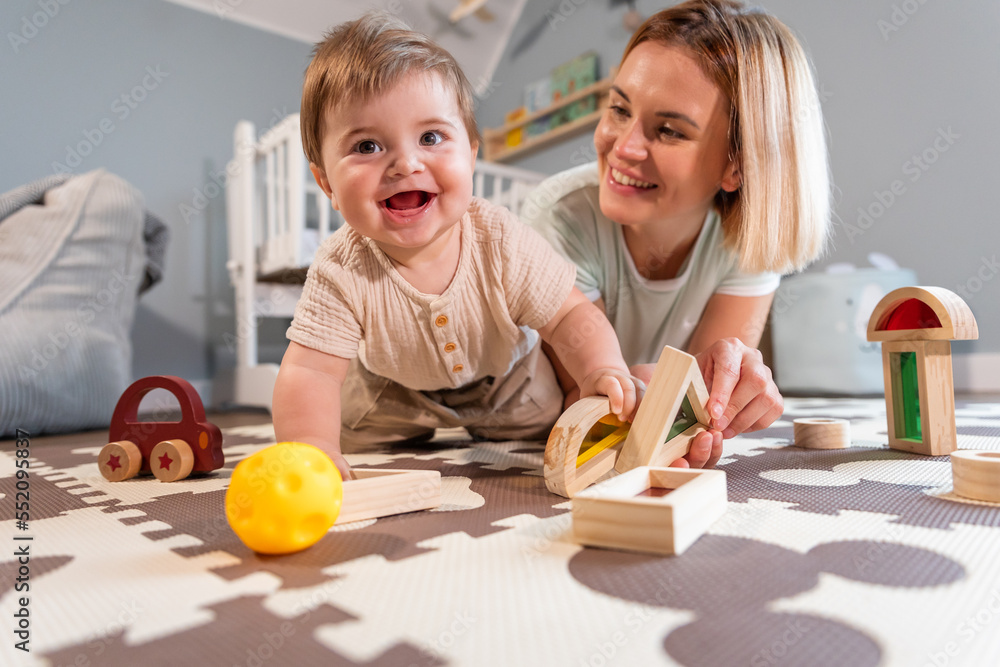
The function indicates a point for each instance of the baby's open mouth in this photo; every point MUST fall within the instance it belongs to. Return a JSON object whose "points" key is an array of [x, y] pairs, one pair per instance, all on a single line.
{"points": [[408, 201]]}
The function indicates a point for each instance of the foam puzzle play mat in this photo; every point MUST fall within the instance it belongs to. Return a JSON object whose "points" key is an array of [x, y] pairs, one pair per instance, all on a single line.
{"points": [[860, 555]]}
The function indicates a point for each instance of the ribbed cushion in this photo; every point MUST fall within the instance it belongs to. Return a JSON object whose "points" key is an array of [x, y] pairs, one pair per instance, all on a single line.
{"points": [[70, 269]]}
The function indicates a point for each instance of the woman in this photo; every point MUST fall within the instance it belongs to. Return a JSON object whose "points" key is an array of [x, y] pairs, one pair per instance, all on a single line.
{"points": [[711, 179]]}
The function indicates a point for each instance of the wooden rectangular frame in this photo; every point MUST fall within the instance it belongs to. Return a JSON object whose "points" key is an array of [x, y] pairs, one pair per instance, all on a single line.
{"points": [[375, 493], [612, 514], [937, 397]]}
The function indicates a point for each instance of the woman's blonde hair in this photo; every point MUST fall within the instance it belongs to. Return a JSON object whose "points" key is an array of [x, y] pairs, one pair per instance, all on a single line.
{"points": [[359, 60], [779, 218]]}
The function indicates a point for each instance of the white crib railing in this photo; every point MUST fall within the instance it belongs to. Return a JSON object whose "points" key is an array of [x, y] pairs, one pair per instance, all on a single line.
{"points": [[277, 216]]}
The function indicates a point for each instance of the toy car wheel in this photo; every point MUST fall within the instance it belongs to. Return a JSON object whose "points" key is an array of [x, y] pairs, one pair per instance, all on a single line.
{"points": [[171, 460], [119, 461]]}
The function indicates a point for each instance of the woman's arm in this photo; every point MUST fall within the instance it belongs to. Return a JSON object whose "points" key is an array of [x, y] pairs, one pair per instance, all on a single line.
{"points": [[743, 396], [728, 316]]}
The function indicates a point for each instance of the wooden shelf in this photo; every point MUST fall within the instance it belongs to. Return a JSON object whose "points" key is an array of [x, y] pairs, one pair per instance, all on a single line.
{"points": [[495, 147]]}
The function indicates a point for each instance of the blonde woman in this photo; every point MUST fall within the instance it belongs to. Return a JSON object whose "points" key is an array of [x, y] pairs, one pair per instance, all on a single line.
{"points": [[711, 180]]}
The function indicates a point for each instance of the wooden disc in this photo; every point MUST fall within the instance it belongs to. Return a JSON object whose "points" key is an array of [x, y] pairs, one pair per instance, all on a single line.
{"points": [[976, 474], [171, 460], [119, 461], [822, 433]]}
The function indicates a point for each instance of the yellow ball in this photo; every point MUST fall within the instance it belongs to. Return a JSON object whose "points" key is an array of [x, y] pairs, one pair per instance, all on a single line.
{"points": [[284, 498]]}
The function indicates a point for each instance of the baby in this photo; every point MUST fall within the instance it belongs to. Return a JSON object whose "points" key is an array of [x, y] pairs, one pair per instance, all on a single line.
{"points": [[425, 309]]}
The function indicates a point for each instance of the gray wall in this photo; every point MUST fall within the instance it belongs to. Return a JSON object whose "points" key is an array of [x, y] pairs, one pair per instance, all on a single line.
{"points": [[886, 99], [68, 78], [911, 101]]}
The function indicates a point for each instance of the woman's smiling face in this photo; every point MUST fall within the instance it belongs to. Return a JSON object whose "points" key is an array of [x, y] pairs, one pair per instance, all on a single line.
{"points": [[663, 142]]}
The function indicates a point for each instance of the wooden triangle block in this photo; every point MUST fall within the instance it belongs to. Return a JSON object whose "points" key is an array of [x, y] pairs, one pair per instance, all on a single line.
{"points": [[676, 376]]}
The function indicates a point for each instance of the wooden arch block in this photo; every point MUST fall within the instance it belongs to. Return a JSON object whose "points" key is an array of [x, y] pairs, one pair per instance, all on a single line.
{"points": [[915, 326], [562, 476]]}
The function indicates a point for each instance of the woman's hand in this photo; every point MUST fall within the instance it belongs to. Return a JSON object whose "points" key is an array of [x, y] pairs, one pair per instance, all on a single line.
{"points": [[742, 393], [742, 397]]}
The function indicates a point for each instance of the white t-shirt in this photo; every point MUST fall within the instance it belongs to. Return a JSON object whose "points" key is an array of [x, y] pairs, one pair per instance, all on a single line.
{"points": [[509, 282], [646, 314]]}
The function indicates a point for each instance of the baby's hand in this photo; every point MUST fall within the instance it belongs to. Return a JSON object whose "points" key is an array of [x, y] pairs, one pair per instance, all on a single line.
{"points": [[624, 391], [342, 465]]}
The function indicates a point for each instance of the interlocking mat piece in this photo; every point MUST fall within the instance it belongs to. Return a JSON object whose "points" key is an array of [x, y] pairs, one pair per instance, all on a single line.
{"points": [[860, 556]]}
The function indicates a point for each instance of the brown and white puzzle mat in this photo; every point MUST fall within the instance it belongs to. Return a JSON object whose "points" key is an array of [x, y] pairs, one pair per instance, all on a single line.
{"points": [[858, 556]]}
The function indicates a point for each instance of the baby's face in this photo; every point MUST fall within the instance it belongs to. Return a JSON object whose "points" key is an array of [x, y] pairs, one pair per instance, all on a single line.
{"points": [[399, 167]]}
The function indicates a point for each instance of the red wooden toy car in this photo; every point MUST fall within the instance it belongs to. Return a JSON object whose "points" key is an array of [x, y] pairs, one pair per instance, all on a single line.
{"points": [[170, 450]]}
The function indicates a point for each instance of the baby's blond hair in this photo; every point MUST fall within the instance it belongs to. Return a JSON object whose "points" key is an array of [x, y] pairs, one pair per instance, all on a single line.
{"points": [[359, 60]]}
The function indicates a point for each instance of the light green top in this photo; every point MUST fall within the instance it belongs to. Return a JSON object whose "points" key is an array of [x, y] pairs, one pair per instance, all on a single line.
{"points": [[646, 314]]}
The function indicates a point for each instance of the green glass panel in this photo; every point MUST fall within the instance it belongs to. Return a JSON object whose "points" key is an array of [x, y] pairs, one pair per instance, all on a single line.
{"points": [[910, 399], [684, 420]]}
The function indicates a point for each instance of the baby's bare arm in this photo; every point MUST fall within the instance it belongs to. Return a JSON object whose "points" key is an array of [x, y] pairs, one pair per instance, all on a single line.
{"points": [[306, 402], [586, 344]]}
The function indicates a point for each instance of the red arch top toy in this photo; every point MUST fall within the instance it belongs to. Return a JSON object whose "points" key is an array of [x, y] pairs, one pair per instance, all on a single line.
{"points": [[169, 450]]}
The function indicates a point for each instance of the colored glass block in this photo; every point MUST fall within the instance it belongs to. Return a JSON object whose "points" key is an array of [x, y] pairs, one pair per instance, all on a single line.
{"points": [[910, 398], [911, 314], [684, 420], [606, 433]]}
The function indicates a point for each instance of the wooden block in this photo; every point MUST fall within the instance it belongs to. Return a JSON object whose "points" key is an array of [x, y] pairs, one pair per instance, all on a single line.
{"points": [[976, 475], [562, 474], [633, 512], [822, 433], [937, 316], [676, 447], [376, 493], [957, 320], [935, 387], [676, 375], [937, 410]]}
